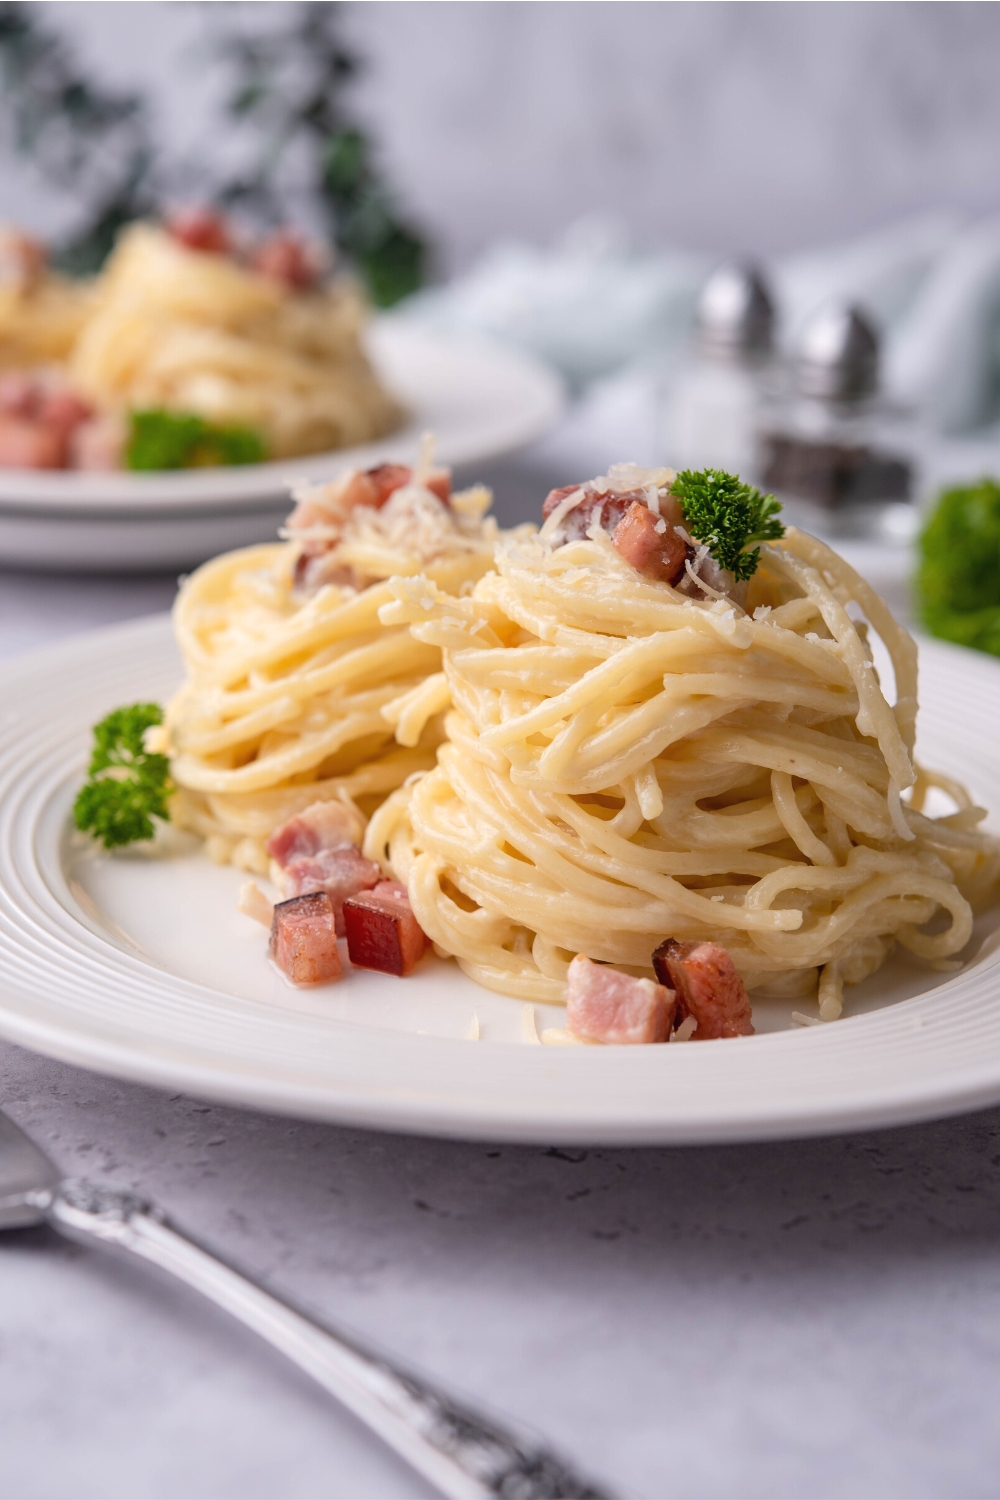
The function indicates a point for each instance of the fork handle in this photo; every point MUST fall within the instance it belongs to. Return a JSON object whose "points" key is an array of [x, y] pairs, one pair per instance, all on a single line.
{"points": [[463, 1455]]}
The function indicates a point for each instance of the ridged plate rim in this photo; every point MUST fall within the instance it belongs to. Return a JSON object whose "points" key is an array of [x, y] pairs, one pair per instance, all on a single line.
{"points": [[68, 991]]}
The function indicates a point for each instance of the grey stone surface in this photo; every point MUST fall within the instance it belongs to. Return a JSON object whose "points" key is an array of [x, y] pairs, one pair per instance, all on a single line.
{"points": [[801, 1319]]}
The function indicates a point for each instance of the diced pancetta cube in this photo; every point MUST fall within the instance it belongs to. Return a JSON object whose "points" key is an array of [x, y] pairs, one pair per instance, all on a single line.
{"points": [[321, 825], [708, 988], [200, 229], [28, 444], [384, 480], [659, 554], [314, 851], [330, 505], [62, 409], [340, 873], [603, 508], [286, 258], [605, 1005], [382, 932], [304, 939], [98, 445], [592, 509], [556, 497]]}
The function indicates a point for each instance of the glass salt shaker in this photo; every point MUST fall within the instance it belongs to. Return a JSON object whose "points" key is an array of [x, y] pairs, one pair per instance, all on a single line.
{"points": [[712, 409], [841, 459]]}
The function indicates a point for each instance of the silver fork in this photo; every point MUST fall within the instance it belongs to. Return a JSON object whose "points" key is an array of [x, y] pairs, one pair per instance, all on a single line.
{"points": [[465, 1455]]}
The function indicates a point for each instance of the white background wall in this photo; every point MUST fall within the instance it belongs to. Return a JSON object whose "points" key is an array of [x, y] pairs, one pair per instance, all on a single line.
{"points": [[726, 127]]}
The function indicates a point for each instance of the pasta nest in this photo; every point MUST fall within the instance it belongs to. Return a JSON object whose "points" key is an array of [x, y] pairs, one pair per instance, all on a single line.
{"points": [[623, 764], [291, 698]]}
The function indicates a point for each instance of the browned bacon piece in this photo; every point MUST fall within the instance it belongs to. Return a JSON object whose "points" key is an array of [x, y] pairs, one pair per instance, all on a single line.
{"points": [[38, 418], [374, 486], [659, 554], [382, 481], [604, 510], [332, 505], [382, 932], [62, 410], [554, 497], [605, 1005], [708, 988], [304, 939], [286, 258], [200, 229]]}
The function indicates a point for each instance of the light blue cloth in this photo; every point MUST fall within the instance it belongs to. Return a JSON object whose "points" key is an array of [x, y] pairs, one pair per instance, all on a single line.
{"points": [[592, 306]]}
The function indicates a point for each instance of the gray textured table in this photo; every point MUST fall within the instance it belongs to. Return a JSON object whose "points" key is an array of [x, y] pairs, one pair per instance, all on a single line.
{"points": [[814, 1319]]}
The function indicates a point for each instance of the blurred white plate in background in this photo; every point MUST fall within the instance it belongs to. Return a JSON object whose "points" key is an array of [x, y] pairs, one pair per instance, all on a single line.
{"points": [[144, 969], [481, 399]]}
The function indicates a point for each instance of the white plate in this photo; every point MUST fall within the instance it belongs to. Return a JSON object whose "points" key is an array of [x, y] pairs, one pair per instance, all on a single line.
{"points": [[481, 399], [143, 968]]}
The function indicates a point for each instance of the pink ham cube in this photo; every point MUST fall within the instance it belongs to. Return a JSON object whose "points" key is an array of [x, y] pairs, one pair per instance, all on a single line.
{"points": [[322, 825], [314, 852], [605, 1005], [28, 444], [304, 939], [656, 554], [382, 932], [339, 873], [708, 988], [285, 258], [62, 410]]}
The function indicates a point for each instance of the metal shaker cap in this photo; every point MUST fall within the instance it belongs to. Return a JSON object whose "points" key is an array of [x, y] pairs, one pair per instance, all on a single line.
{"points": [[838, 356], [735, 314]]}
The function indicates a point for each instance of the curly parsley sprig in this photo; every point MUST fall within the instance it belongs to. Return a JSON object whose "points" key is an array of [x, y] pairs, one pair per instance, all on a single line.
{"points": [[727, 515], [127, 785], [161, 439]]}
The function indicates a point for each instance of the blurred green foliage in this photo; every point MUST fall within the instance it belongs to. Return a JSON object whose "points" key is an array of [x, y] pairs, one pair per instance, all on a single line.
{"points": [[288, 73], [958, 578], [290, 83], [89, 141]]}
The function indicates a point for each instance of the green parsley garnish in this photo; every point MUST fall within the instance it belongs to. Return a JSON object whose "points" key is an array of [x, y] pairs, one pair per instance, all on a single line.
{"points": [[727, 515], [127, 786], [180, 440], [958, 579]]}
